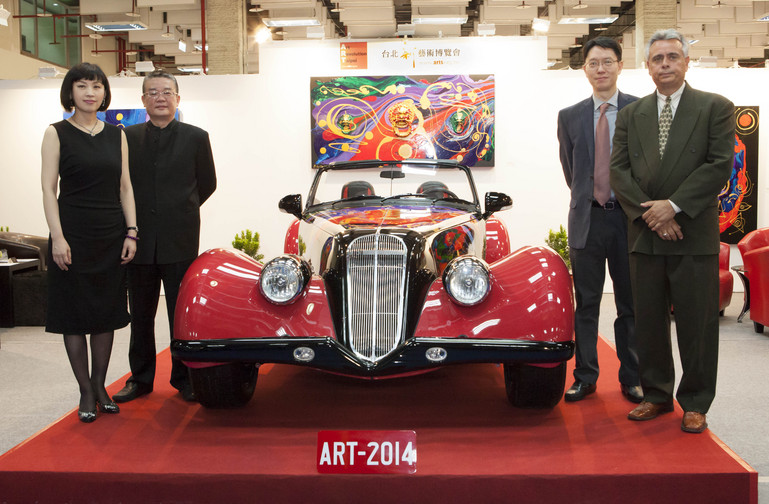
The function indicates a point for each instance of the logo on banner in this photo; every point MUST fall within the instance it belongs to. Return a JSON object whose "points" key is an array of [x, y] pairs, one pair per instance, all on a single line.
{"points": [[353, 55]]}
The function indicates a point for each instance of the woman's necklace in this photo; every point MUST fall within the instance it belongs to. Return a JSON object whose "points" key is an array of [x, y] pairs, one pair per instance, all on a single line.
{"points": [[90, 131]]}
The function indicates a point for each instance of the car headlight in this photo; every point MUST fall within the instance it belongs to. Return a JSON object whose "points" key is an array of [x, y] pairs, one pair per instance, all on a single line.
{"points": [[466, 280], [283, 279]]}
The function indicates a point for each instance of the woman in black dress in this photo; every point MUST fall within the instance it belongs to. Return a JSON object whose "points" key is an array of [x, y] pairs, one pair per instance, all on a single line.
{"points": [[93, 232]]}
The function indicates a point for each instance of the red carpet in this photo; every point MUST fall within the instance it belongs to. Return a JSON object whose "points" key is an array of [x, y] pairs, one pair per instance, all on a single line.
{"points": [[472, 447]]}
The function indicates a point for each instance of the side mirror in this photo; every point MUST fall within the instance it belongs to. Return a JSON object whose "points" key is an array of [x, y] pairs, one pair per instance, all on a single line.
{"points": [[496, 201], [291, 204]]}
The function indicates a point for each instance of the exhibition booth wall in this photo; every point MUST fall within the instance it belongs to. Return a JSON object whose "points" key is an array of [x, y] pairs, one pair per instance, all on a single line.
{"points": [[260, 132]]}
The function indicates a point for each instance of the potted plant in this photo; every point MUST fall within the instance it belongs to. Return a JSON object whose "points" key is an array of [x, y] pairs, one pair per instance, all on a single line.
{"points": [[558, 241], [248, 242]]}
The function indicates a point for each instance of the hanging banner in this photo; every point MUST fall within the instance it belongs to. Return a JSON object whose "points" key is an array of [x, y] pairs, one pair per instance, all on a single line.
{"points": [[738, 199]]}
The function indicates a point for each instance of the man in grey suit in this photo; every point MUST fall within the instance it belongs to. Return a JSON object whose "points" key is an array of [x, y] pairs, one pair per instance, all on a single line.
{"points": [[672, 155], [597, 224]]}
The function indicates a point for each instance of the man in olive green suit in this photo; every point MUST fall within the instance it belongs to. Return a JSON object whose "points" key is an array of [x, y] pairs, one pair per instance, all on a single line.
{"points": [[672, 155]]}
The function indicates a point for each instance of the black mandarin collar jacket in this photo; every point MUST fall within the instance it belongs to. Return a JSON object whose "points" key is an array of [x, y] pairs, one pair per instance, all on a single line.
{"points": [[172, 173]]}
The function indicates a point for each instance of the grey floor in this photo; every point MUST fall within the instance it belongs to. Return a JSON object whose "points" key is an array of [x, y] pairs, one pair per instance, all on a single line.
{"points": [[37, 386]]}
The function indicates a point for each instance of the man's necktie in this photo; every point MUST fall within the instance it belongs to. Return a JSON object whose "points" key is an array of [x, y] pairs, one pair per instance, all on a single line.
{"points": [[666, 118], [601, 188]]}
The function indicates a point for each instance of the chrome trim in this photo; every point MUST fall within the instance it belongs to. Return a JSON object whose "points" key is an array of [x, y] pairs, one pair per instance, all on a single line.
{"points": [[376, 283]]}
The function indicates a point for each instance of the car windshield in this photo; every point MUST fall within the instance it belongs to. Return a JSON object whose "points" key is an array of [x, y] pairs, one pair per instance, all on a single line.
{"points": [[428, 184]]}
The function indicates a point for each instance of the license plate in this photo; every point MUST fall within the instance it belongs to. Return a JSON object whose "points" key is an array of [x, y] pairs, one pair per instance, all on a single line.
{"points": [[367, 452]]}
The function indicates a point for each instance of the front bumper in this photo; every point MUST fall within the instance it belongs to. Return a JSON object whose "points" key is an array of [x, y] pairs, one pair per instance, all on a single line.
{"points": [[408, 357]]}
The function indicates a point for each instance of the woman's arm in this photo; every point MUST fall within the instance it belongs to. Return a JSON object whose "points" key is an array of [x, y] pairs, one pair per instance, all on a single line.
{"points": [[128, 204], [49, 178]]}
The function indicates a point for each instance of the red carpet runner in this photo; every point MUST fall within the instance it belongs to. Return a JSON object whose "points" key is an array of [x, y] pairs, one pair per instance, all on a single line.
{"points": [[472, 447]]}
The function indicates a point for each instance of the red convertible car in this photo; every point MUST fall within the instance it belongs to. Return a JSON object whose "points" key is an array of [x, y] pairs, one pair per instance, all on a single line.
{"points": [[391, 268]]}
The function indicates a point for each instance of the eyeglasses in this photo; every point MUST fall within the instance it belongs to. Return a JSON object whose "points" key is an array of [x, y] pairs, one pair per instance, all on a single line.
{"points": [[154, 93], [608, 64]]}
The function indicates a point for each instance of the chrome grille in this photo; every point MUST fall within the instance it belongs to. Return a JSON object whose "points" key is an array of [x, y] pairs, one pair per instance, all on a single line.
{"points": [[376, 276]]}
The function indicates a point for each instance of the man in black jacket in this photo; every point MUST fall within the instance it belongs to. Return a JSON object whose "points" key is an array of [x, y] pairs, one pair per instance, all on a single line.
{"points": [[172, 171]]}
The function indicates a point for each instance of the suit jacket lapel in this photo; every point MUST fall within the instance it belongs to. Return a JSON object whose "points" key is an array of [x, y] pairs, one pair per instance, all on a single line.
{"points": [[587, 119], [648, 127]]}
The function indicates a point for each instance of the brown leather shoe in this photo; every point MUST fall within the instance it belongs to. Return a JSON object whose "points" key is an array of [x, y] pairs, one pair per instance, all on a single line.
{"points": [[694, 422], [647, 410]]}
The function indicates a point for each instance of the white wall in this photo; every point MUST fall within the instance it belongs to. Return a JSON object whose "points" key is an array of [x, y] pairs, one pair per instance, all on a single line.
{"points": [[260, 133]]}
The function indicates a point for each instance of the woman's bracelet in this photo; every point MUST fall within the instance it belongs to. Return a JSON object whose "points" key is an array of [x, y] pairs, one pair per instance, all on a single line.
{"points": [[134, 238]]}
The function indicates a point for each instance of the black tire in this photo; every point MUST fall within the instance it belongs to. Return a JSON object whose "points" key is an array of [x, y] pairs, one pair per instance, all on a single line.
{"points": [[534, 387], [226, 386]]}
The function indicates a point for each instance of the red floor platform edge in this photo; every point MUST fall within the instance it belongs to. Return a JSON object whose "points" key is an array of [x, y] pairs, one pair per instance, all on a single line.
{"points": [[472, 446]]}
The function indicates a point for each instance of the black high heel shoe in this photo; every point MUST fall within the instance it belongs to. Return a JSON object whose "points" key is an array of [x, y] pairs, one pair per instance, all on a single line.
{"points": [[86, 416], [110, 407]]}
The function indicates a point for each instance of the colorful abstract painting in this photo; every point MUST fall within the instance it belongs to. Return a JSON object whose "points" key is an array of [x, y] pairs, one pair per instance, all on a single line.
{"points": [[123, 118], [738, 199], [400, 117]]}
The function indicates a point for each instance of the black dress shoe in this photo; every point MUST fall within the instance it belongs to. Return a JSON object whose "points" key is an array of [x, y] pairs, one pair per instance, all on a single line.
{"points": [[108, 407], [579, 391], [131, 391], [86, 416], [633, 394]]}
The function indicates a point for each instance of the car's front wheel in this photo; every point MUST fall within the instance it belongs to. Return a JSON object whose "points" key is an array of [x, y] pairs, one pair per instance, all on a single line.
{"points": [[533, 386], [225, 386]]}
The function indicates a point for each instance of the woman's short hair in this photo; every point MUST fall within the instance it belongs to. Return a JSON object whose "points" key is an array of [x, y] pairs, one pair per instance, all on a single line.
{"points": [[87, 71]]}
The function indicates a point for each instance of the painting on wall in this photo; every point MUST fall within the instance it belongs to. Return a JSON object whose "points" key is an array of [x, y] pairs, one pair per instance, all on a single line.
{"points": [[738, 199], [403, 117], [122, 118]]}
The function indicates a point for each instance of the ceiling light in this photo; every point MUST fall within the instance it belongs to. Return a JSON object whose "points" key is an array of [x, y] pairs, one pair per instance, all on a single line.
{"points": [[190, 69], [116, 26], [168, 33], [286, 22], [580, 5], [588, 20], [133, 12], [4, 15], [182, 46], [693, 41], [523, 6], [256, 9], [337, 8], [540, 25], [439, 20], [717, 5], [600, 28], [263, 35], [144, 66], [96, 36]]}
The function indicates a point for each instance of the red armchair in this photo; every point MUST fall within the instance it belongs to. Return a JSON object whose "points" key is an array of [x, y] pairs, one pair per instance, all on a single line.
{"points": [[725, 279], [754, 248]]}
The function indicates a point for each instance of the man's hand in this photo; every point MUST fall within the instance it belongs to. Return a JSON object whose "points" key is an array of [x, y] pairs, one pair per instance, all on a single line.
{"points": [[670, 231], [659, 214]]}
